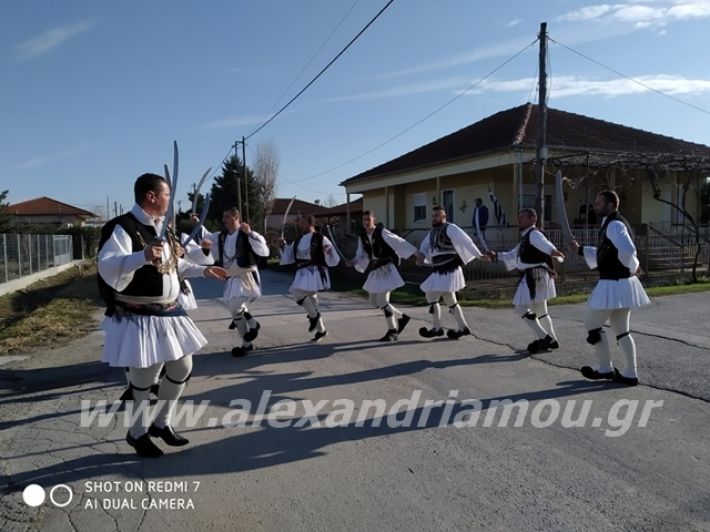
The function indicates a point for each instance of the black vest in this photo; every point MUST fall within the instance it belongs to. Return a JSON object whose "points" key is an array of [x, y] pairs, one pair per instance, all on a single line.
{"points": [[608, 262], [147, 280], [447, 260], [529, 254], [317, 252], [245, 255], [378, 249]]}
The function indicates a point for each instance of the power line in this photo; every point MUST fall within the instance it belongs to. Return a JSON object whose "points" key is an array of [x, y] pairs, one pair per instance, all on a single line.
{"points": [[326, 67], [425, 118], [641, 83], [327, 40]]}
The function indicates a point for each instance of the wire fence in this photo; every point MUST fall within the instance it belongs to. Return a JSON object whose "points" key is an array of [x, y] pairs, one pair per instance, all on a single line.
{"points": [[658, 251], [22, 255]]}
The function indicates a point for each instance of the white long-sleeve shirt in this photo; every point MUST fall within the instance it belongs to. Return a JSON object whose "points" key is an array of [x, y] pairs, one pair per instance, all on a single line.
{"points": [[256, 241], [538, 240], [464, 246], [400, 246], [288, 256], [117, 263], [619, 235]]}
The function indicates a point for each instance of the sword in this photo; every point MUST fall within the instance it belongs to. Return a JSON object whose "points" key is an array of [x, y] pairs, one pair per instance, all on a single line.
{"points": [[283, 222], [332, 240], [479, 234], [203, 217], [173, 186], [561, 211], [197, 189]]}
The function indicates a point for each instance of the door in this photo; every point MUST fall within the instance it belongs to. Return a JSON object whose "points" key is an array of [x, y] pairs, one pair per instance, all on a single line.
{"points": [[447, 201]]}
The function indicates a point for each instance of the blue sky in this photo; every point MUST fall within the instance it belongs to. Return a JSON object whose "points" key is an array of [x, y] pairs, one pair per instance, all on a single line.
{"points": [[94, 92]]}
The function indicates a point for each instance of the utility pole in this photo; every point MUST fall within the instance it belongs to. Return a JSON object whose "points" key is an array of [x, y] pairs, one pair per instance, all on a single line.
{"points": [[108, 210], [115, 209], [541, 137], [239, 187], [246, 181]]}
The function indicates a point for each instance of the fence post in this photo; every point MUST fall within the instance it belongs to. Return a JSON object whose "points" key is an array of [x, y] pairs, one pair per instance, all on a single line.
{"points": [[645, 253], [4, 249], [19, 256]]}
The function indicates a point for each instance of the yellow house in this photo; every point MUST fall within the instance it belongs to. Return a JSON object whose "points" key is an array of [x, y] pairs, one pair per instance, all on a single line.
{"points": [[495, 158]]}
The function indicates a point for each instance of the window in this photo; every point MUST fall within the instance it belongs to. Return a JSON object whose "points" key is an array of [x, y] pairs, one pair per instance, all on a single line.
{"points": [[420, 214]]}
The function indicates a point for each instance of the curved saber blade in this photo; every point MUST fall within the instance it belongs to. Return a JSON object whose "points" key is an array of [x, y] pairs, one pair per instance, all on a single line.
{"points": [[170, 214], [288, 210], [197, 189], [479, 234], [561, 211], [332, 241], [203, 216], [167, 174]]}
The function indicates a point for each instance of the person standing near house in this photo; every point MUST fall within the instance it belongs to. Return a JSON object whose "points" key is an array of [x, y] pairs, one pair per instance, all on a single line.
{"points": [[446, 248], [378, 254], [313, 254], [480, 217], [533, 258], [237, 249], [145, 327], [617, 292]]}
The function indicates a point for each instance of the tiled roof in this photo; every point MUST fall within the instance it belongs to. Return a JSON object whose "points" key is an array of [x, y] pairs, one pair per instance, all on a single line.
{"points": [[356, 207], [45, 206], [516, 127], [280, 204]]}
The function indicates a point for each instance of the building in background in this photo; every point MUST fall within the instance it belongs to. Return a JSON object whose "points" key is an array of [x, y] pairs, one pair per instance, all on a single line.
{"points": [[48, 211]]}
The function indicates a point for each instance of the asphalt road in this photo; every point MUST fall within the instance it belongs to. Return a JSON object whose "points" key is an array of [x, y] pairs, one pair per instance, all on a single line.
{"points": [[415, 469]]}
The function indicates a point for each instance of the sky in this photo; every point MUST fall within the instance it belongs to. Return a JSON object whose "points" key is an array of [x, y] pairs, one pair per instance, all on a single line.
{"points": [[94, 92]]}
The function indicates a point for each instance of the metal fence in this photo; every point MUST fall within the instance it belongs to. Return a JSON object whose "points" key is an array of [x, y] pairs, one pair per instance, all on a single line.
{"points": [[22, 255], [658, 251]]}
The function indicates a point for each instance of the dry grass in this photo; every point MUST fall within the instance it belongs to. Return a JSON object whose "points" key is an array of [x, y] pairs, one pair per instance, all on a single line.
{"points": [[51, 312]]}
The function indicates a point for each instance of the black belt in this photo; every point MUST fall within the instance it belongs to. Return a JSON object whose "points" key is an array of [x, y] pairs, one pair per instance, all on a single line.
{"points": [[170, 310]]}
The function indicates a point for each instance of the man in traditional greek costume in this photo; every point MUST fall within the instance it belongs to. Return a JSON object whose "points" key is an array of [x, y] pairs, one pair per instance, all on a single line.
{"points": [[446, 248], [378, 254], [237, 249], [533, 258], [145, 327], [313, 254], [617, 292]]}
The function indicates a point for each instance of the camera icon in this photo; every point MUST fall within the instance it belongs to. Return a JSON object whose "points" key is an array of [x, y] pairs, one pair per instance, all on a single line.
{"points": [[34, 495]]}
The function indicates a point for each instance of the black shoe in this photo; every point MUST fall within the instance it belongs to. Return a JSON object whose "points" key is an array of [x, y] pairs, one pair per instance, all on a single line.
{"points": [[144, 446], [402, 323], [535, 347], [127, 395], [391, 336], [629, 381], [154, 389], [252, 333], [455, 335], [430, 333], [241, 351], [168, 435], [233, 325], [594, 375], [319, 336], [313, 322], [553, 345]]}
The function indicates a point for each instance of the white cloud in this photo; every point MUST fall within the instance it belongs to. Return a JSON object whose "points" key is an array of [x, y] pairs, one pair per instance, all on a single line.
{"points": [[586, 13], [403, 90], [235, 121], [77, 150], [43, 43], [31, 163], [504, 48], [513, 23], [641, 14], [565, 86]]}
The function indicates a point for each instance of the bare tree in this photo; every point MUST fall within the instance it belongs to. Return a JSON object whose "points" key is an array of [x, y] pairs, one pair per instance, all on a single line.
{"points": [[266, 170], [330, 201]]}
